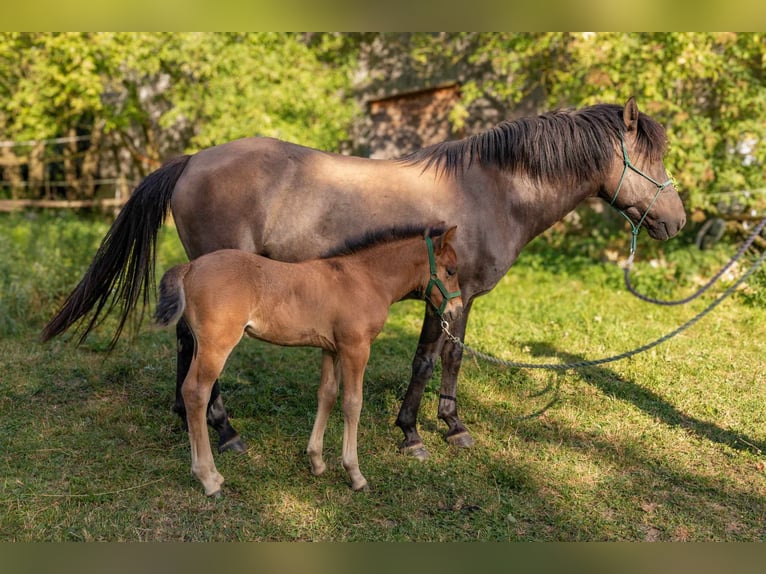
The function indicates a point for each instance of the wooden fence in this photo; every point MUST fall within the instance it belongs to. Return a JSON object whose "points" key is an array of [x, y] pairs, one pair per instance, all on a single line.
{"points": [[105, 204]]}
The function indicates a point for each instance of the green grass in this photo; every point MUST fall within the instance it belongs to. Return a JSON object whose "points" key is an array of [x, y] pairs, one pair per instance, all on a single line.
{"points": [[668, 445]]}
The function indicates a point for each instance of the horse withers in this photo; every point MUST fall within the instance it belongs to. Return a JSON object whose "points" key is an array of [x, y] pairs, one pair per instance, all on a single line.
{"points": [[337, 303]]}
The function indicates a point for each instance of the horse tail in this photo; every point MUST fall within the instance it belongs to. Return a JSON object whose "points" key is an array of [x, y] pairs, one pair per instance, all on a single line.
{"points": [[172, 301], [123, 266]]}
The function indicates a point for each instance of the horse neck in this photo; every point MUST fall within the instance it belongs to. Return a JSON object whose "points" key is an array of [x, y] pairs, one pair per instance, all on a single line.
{"points": [[536, 206], [395, 268]]}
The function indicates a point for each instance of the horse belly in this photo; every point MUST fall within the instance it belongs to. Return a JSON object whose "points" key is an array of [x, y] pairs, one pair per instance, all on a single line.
{"points": [[287, 334]]}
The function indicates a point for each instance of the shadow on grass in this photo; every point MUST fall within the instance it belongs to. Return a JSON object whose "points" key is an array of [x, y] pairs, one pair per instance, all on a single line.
{"points": [[609, 382]]}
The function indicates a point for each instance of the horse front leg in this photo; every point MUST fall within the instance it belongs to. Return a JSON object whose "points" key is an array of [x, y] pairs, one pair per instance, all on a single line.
{"points": [[452, 358], [429, 345], [217, 417], [326, 397]]}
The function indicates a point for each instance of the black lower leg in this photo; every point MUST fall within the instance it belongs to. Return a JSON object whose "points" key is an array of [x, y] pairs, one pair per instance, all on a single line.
{"points": [[452, 358], [422, 368], [184, 354], [228, 438]]}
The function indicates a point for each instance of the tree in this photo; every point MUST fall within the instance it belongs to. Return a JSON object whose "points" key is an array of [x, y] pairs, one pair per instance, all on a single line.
{"points": [[707, 89], [160, 94]]}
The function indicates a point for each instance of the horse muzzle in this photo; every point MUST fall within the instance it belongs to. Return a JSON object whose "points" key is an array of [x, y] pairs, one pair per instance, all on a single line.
{"points": [[663, 229]]}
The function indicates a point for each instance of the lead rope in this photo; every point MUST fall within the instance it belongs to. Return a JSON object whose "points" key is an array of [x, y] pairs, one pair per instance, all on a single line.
{"points": [[567, 366], [629, 265]]}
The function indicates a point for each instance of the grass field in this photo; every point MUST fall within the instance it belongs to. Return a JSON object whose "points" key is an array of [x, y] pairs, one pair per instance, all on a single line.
{"points": [[669, 445]]}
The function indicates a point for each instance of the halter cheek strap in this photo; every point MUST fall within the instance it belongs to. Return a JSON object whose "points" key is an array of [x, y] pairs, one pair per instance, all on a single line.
{"points": [[627, 164], [434, 281]]}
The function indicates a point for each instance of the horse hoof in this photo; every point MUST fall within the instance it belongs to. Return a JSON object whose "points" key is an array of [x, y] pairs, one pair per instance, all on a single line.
{"points": [[461, 440], [418, 451], [235, 445], [318, 469]]}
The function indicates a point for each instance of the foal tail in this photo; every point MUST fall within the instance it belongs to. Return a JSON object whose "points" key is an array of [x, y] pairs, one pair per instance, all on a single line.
{"points": [[123, 266], [172, 301]]}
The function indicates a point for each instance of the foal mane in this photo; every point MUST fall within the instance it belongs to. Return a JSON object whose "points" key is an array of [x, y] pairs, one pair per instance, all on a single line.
{"points": [[379, 236], [559, 145]]}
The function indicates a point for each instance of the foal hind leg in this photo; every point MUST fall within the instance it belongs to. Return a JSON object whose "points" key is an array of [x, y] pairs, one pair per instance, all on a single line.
{"points": [[196, 395], [326, 397], [228, 437], [452, 358], [423, 364]]}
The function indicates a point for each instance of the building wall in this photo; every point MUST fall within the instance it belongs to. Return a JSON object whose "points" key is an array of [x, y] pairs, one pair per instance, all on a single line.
{"points": [[403, 123]]}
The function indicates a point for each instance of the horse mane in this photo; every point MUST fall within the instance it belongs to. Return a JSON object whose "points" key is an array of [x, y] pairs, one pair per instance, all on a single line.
{"points": [[559, 145], [378, 236]]}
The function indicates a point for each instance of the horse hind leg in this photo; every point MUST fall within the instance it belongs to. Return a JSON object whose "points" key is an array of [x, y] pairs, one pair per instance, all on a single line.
{"points": [[217, 417], [327, 394]]}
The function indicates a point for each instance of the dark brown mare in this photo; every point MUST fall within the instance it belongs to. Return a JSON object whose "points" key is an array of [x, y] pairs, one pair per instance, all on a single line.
{"points": [[502, 188], [339, 304]]}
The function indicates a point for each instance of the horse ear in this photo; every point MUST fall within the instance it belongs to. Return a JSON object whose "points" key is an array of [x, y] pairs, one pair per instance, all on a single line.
{"points": [[630, 114]]}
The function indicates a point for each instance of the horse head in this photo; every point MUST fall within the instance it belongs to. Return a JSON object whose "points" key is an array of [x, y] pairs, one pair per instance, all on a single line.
{"points": [[638, 185]]}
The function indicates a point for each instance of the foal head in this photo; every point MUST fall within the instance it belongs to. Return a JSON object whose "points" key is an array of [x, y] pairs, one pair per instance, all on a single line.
{"points": [[443, 290]]}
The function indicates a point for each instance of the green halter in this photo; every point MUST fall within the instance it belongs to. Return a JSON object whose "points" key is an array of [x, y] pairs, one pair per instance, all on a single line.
{"points": [[627, 164], [435, 281]]}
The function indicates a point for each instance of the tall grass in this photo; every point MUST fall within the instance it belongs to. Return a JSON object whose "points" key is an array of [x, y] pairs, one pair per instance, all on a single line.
{"points": [[669, 445]]}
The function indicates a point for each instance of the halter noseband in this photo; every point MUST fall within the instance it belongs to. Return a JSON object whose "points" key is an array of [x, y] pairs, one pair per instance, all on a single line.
{"points": [[434, 281], [627, 164]]}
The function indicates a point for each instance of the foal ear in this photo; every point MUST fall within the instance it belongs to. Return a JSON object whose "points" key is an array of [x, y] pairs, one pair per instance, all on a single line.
{"points": [[445, 238], [630, 114]]}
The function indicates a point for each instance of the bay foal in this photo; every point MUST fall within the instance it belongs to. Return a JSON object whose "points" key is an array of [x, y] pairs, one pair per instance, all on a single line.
{"points": [[338, 303]]}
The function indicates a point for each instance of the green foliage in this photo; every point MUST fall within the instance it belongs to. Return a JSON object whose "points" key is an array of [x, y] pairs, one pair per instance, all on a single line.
{"points": [[186, 91], [218, 86], [707, 89], [41, 259], [269, 84]]}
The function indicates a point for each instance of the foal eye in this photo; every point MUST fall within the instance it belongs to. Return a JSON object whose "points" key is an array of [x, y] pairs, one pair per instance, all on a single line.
{"points": [[451, 271]]}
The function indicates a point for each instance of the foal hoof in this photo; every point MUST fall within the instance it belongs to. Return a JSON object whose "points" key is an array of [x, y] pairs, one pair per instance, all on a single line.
{"points": [[416, 450], [462, 440], [234, 444]]}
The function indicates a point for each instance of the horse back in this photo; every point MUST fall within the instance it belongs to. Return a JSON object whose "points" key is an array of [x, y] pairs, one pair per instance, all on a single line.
{"points": [[292, 203]]}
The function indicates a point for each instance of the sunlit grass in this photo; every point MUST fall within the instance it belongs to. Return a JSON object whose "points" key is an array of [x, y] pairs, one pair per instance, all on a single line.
{"points": [[667, 445]]}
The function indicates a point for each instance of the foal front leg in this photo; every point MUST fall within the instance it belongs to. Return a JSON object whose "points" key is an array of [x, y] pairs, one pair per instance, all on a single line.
{"points": [[353, 363], [327, 394]]}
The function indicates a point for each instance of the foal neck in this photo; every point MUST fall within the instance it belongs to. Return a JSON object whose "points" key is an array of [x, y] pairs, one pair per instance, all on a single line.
{"points": [[394, 268]]}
